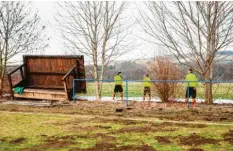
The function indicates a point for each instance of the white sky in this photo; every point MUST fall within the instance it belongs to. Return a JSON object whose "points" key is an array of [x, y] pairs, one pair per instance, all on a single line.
{"points": [[47, 11]]}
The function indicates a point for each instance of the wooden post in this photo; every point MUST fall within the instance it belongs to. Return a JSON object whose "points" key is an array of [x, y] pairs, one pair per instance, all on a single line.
{"points": [[21, 73], [65, 87]]}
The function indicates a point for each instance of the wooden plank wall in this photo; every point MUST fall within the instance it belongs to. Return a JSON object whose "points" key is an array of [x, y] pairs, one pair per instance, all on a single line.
{"points": [[50, 64], [48, 72]]}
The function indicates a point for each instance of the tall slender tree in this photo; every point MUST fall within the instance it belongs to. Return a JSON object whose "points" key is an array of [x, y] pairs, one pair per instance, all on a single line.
{"points": [[20, 31], [192, 31], [95, 29]]}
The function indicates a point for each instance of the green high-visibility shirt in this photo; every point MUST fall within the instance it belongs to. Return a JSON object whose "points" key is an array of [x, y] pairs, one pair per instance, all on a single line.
{"points": [[191, 77], [146, 82], [118, 80]]}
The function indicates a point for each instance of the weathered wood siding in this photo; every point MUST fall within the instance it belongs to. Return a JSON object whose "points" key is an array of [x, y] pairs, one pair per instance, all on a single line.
{"points": [[47, 71]]}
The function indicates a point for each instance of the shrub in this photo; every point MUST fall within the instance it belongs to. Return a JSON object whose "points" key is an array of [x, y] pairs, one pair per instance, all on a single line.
{"points": [[162, 68]]}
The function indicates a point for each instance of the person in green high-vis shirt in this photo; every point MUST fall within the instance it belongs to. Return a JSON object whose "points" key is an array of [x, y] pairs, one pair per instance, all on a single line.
{"points": [[191, 87], [118, 85], [147, 85]]}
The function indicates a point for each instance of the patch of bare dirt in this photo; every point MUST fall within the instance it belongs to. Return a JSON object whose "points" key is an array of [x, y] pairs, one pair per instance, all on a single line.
{"points": [[187, 125], [138, 129], [2, 140], [229, 137], [144, 147], [65, 138], [118, 121], [102, 126], [112, 147], [151, 127], [103, 137], [57, 138], [17, 141], [194, 140], [58, 144], [195, 149], [172, 111], [97, 147], [163, 140]]}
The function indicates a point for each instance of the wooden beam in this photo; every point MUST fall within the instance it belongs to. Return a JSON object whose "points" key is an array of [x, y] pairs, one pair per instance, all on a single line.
{"points": [[48, 73], [47, 91], [52, 56], [69, 72], [21, 73], [47, 86], [16, 69], [65, 88], [49, 95]]}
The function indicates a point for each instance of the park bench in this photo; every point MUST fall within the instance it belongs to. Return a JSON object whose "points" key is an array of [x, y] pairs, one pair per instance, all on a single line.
{"points": [[49, 77]]}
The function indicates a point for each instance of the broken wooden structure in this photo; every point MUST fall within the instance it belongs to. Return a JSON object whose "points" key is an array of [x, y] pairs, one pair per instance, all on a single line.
{"points": [[49, 77]]}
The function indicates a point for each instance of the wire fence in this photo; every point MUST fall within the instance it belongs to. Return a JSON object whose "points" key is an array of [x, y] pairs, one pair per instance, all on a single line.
{"points": [[133, 90]]}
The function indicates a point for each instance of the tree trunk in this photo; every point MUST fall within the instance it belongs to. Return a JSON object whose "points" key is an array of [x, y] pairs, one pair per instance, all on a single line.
{"points": [[1, 86], [3, 70], [208, 88], [96, 83], [208, 93], [208, 64]]}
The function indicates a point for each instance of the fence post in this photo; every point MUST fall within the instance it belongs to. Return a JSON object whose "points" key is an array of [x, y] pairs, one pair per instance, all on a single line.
{"points": [[126, 92], [74, 95], [188, 95]]}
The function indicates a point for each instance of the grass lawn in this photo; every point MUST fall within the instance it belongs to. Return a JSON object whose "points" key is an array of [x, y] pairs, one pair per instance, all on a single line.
{"points": [[135, 89], [55, 132]]}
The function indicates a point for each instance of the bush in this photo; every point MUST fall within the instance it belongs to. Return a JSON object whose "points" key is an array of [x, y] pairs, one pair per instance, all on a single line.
{"points": [[162, 68]]}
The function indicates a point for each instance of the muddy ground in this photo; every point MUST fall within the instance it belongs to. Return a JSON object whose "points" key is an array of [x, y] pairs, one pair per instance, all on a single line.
{"points": [[107, 141], [169, 111]]}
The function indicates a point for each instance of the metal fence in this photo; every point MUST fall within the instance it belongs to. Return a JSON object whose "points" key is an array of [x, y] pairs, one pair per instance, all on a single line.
{"points": [[133, 90]]}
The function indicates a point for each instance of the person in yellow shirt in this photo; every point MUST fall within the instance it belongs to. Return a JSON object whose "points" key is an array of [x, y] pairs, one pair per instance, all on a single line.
{"points": [[191, 89], [147, 86], [118, 85]]}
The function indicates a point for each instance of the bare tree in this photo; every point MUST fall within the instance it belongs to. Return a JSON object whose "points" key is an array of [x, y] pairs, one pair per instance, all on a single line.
{"points": [[192, 31], [19, 32], [95, 29]]}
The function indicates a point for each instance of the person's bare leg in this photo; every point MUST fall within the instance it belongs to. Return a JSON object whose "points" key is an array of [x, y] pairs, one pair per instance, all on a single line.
{"points": [[194, 103], [149, 102], [121, 94], [185, 102], [113, 96], [143, 101]]}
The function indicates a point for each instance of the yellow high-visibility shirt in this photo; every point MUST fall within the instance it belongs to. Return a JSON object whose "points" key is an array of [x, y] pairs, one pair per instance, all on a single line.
{"points": [[118, 80], [191, 77], [146, 82]]}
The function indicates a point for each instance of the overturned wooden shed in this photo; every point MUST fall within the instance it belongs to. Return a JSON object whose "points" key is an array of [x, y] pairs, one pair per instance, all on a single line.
{"points": [[49, 77]]}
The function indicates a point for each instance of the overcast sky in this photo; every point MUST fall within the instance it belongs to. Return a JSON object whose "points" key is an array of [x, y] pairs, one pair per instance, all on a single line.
{"points": [[47, 11]]}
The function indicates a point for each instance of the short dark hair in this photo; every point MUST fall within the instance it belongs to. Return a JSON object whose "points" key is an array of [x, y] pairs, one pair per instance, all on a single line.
{"points": [[191, 70], [119, 73], [147, 75]]}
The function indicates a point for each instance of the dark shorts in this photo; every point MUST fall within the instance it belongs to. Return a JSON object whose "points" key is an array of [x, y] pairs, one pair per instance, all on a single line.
{"points": [[118, 88], [192, 92], [146, 90]]}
